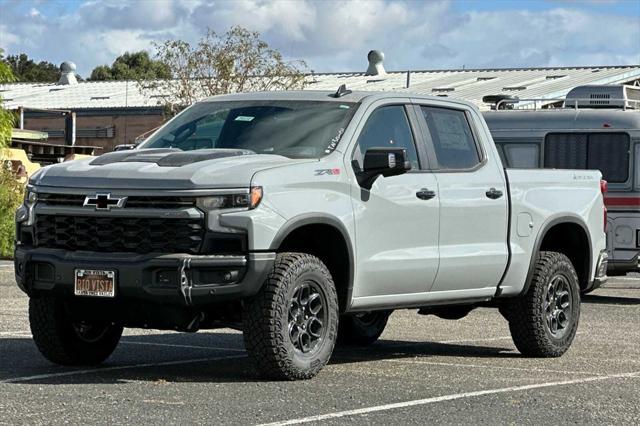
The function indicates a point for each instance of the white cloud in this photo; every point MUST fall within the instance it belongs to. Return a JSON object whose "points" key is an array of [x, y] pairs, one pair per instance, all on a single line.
{"points": [[330, 35]]}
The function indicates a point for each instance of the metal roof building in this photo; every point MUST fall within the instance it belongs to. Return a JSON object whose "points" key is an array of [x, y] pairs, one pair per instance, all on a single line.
{"points": [[469, 84], [105, 114]]}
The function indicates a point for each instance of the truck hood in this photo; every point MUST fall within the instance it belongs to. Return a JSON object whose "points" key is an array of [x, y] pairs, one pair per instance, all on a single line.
{"points": [[167, 169]]}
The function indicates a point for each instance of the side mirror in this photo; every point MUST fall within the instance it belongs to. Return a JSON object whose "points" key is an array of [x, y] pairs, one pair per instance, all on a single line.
{"points": [[383, 162]]}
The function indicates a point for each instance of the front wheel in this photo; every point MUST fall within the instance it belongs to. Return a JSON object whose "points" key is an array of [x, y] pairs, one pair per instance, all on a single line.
{"points": [[290, 326], [68, 342], [544, 321], [362, 329]]}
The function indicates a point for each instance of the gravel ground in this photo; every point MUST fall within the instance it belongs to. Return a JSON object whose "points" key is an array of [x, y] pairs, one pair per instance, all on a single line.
{"points": [[423, 370]]}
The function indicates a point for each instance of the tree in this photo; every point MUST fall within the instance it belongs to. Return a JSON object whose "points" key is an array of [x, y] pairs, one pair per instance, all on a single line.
{"points": [[11, 191], [27, 70], [6, 117], [237, 61], [131, 66]]}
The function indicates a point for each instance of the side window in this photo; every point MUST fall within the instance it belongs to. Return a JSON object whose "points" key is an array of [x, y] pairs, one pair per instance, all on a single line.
{"points": [[452, 138], [522, 155], [387, 127]]}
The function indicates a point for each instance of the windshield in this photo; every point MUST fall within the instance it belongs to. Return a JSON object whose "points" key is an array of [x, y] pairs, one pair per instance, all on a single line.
{"points": [[295, 129]]}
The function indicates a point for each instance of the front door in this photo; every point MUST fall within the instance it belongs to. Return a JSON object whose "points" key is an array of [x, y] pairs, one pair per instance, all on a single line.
{"points": [[396, 230]]}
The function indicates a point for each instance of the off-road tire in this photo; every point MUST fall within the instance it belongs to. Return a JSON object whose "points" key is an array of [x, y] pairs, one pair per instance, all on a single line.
{"points": [[362, 329], [526, 315], [266, 319], [61, 342]]}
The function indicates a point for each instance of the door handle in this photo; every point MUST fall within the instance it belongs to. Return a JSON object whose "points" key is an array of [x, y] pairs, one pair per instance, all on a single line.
{"points": [[425, 194], [494, 194]]}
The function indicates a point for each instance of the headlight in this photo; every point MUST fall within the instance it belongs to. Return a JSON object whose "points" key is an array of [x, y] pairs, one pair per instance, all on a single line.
{"points": [[24, 214], [248, 200]]}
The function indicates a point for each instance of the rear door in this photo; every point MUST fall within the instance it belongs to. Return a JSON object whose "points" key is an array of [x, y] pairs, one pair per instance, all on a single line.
{"points": [[473, 201], [396, 230]]}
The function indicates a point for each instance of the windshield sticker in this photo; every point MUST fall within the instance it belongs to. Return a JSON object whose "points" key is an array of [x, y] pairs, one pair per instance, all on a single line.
{"points": [[244, 118], [334, 141]]}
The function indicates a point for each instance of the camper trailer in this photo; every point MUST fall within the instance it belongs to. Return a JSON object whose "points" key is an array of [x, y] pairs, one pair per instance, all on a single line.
{"points": [[594, 127]]}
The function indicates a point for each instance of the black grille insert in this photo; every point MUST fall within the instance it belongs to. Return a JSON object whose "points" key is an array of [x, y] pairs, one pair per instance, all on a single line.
{"points": [[119, 234]]}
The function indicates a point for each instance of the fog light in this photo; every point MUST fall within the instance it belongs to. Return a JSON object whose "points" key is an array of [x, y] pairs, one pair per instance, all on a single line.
{"points": [[230, 276]]}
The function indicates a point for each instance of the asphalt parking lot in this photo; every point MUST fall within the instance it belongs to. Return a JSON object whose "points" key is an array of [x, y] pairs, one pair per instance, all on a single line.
{"points": [[423, 370]]}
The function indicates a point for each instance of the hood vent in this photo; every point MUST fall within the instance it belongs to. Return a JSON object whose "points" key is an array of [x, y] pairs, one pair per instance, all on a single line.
{"points": [[167, 157]]}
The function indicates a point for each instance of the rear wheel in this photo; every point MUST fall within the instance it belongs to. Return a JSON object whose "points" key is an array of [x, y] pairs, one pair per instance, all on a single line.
{"points": [[290, 326], [544, 321], [362, 329], [68, 342]]}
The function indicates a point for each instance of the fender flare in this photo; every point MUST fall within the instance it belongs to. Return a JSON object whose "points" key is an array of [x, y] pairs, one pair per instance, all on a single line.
{"points": [[320, 219], [538, 243]]}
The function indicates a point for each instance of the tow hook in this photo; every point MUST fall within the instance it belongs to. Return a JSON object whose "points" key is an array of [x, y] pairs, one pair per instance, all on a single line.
{"points": [[186, 284]]}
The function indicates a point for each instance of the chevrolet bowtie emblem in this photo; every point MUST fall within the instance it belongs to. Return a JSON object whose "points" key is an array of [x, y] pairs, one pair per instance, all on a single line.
{"points": [[104, 201]]}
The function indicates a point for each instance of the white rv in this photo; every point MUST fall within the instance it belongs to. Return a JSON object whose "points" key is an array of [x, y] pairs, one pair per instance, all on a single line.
{"points": [[595, 127]]}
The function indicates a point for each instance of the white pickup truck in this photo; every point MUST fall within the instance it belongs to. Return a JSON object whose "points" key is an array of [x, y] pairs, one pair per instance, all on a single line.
{"points": [[302, 219]]}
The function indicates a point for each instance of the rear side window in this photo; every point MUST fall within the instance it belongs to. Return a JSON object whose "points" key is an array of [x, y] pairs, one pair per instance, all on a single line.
{"points": [[607, 152], [452, 138], [387, 127]]}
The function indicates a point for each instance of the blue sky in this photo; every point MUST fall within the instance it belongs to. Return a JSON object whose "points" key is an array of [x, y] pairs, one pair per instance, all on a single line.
{"points": [[335, 36]]}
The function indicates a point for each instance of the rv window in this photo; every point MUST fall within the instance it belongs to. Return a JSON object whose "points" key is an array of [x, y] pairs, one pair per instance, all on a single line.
{"points": [[607, 152], [452, 138], [522, 156]]}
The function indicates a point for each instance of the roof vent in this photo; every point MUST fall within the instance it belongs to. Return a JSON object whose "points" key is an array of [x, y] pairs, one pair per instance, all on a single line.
{"points": [[375, 57], [603, 96], [68, 70]]}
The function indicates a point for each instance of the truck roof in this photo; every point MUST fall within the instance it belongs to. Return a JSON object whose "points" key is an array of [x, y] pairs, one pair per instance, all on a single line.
{"points": [[327, 95]]}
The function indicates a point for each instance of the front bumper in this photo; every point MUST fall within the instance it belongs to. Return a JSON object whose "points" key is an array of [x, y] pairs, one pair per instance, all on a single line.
{"points": [[167, 279]]}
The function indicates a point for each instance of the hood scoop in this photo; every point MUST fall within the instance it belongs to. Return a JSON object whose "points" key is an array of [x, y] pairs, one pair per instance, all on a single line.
{"points": [[167, 157]]}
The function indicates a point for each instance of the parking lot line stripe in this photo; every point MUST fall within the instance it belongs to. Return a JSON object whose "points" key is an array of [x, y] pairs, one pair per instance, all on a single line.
{"points": [[117, 367], [218, 348], [492, 366], [451, 397]]}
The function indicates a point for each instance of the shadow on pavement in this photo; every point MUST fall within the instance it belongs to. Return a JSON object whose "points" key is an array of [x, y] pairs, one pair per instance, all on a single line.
{"points": [[24, 360], [610, 300], [391, 349]]}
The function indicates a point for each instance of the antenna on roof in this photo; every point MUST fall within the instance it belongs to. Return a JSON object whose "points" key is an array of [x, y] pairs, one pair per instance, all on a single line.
{"points": [[342, 91]]}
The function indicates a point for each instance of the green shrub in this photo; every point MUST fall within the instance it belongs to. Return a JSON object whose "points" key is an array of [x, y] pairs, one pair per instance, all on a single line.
{"points": [[11, 196]]}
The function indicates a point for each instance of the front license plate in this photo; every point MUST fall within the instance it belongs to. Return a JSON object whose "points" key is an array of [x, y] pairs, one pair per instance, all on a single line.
{"points": [[97, 283]]}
